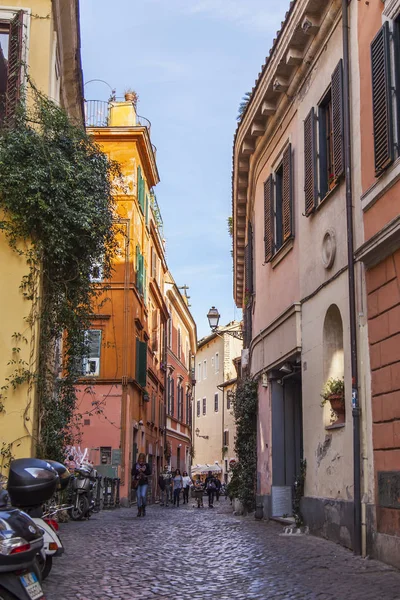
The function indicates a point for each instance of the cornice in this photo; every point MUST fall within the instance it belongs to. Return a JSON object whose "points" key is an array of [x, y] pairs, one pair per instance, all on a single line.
{"points": [[303, 32]]}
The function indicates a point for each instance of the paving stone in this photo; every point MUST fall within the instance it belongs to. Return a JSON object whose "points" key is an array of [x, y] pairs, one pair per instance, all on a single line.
{"points": [[177, 554]]}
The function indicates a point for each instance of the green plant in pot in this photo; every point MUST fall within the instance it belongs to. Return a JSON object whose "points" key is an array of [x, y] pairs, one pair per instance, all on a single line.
{"points": [[333, 392]]}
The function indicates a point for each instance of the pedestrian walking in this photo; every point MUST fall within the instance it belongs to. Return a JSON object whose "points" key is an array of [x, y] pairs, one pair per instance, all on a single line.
{"points": [[177, 483], [165, 483], [187, 484], [199, 491], [210, 486], [140, 474], [218, 485]]}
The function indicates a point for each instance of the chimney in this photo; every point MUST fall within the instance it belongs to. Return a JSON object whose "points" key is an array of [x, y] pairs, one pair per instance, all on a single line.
{"points": [[123, 114]]}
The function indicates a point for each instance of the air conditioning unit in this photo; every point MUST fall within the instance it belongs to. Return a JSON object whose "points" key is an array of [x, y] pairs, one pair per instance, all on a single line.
{"points": [[91, 366]]}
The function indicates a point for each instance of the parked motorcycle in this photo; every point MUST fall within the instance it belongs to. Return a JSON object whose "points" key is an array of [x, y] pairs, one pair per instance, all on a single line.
{"points": [[21, 540], [82, 496], [30, 501]]}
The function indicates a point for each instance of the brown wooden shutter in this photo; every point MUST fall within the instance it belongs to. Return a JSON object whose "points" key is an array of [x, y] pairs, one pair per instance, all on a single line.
{"points": [[287, 194], [14, 68], [310, 163], [337, 120], [269, 218], [382, 100], [249, 260]]}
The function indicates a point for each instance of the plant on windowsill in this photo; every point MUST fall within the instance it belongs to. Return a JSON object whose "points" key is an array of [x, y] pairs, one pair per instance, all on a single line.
{"points": [[333, 391], [331, 181]]}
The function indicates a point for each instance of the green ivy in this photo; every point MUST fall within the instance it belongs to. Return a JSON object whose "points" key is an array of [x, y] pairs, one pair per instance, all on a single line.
{"points": [[244, 472], [56, 192]]}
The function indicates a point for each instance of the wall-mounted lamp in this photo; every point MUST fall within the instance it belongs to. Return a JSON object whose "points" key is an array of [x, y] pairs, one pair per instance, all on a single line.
{"points": [[197, 432]]}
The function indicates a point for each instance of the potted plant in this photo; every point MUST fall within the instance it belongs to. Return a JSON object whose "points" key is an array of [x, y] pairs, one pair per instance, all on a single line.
{"points": [[333, 391], [131, 96]]}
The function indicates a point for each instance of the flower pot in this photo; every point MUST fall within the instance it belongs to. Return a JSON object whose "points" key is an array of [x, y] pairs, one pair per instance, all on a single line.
{"points": [[338, 407]]}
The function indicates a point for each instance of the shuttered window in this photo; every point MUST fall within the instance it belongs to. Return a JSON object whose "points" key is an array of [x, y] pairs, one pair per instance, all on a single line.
{"points": [[287, 195], [382, 100], [13, 91], [337, 120], [169, 395], [204, 406], [172, 397], [91, 361], [141, 362], [269, 218], [141, 190], [310, 164], [198, 408], [140, 271]]}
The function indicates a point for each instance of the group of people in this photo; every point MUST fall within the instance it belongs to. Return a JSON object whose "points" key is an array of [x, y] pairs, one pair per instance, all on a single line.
{"points": [[172, 485]]}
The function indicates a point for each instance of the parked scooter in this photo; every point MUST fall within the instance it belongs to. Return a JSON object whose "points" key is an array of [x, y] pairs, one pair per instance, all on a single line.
{"points": [[30, 501], [82, 497], [20, 542]]}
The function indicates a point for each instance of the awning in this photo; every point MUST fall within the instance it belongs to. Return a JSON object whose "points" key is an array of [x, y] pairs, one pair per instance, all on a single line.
{"points": [[204, 469]]}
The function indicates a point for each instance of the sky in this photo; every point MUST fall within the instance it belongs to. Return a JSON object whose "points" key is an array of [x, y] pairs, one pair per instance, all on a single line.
{"points": [[191, 62]]}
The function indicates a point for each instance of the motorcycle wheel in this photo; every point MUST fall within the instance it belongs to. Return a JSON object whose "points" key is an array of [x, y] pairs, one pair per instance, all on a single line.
{"points": [[44, 565], [4, 595], [77, 513]]}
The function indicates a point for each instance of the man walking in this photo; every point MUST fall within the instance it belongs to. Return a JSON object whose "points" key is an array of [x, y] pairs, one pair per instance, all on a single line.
{"points": [[165, 483], [210, 487]]}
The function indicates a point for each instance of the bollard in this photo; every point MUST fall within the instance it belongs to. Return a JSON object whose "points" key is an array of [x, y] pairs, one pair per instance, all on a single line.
{"points": [[105, 493], [117, 499], [112, 495]]}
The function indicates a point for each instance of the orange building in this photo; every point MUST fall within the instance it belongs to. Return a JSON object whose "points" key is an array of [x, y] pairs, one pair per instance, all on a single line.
{"points": [[121, 400], [379, 63]]}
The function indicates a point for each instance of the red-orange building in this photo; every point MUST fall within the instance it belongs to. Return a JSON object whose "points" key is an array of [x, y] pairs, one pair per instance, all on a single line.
{"points": [[181, 348], [379, 63]]}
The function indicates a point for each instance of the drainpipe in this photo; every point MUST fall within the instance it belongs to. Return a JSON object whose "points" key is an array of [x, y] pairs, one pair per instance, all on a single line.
{"points": [[352, 294]]}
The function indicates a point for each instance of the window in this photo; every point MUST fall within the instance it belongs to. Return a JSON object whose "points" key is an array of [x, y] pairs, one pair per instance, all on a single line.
{"points": [[188, 411], [105, 455], [187, 355], [217, 362], [278, 206], [226, 438], [229, 396], [198, 408], [169, 341], [91, 362], [96, 275], [172, 392], [204, 406], [216, 402], [153, 264], [141, 189], [169, 395], [140, 271], [385, 103], [154, 332], [10, 65], [330, 149], [179, 390], [199, 372], [141, 362], [153, 407], [205, 369], [179, 343]]}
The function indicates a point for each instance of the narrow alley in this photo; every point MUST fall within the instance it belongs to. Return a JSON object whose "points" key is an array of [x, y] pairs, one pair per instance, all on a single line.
{"points": [[188, 553]]}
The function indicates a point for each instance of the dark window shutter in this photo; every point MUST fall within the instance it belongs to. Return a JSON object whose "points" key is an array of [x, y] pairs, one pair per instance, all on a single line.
{"points": [[382, 100], [14, 67], [269, 218], [141, 362], [287, 194], [249, 260], [310, 163], [172, 396], [337, 120]]}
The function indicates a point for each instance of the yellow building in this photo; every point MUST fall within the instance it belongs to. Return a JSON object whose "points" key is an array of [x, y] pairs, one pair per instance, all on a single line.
{"points": [[44, 35]]}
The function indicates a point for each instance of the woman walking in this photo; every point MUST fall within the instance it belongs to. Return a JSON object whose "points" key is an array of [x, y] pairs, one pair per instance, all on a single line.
{"points": [[140, 474], [187, 483], [177, 483]]}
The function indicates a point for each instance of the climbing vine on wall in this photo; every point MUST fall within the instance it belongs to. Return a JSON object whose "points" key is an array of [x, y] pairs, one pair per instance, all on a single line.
{"points": [[58, 214], [244, 472]]}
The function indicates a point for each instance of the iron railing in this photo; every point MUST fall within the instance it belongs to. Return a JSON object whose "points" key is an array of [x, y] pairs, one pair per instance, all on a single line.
{"points": [[97, 114]]}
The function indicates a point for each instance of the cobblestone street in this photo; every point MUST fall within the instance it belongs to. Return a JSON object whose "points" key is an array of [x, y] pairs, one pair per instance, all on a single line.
{"points": [[187, 553]]}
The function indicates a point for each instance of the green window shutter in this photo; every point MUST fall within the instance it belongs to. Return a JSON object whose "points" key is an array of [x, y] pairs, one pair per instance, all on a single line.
{"points": [[144, 282], [141, 362], [337, 120], [147, 210], [13, 91], [140, 189]]}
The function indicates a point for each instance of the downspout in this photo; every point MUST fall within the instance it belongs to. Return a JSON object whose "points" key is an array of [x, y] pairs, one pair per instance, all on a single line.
{"points": [[352, 294]]}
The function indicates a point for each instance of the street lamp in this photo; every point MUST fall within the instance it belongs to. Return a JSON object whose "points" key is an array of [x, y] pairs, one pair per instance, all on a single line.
{"points": [[213, 317], [197, 431]]}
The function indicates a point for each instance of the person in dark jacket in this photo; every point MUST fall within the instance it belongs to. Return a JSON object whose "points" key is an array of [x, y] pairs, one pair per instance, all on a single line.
{"points": [[140, 473], [217, 489], [165, 483], [210, 487]]}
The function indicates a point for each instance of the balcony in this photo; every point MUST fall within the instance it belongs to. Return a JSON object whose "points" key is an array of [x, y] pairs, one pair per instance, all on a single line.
{"points": [[97, 114]]}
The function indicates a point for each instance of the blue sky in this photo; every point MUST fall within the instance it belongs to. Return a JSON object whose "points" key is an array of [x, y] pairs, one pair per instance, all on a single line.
{"points": [[190, 61]]}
